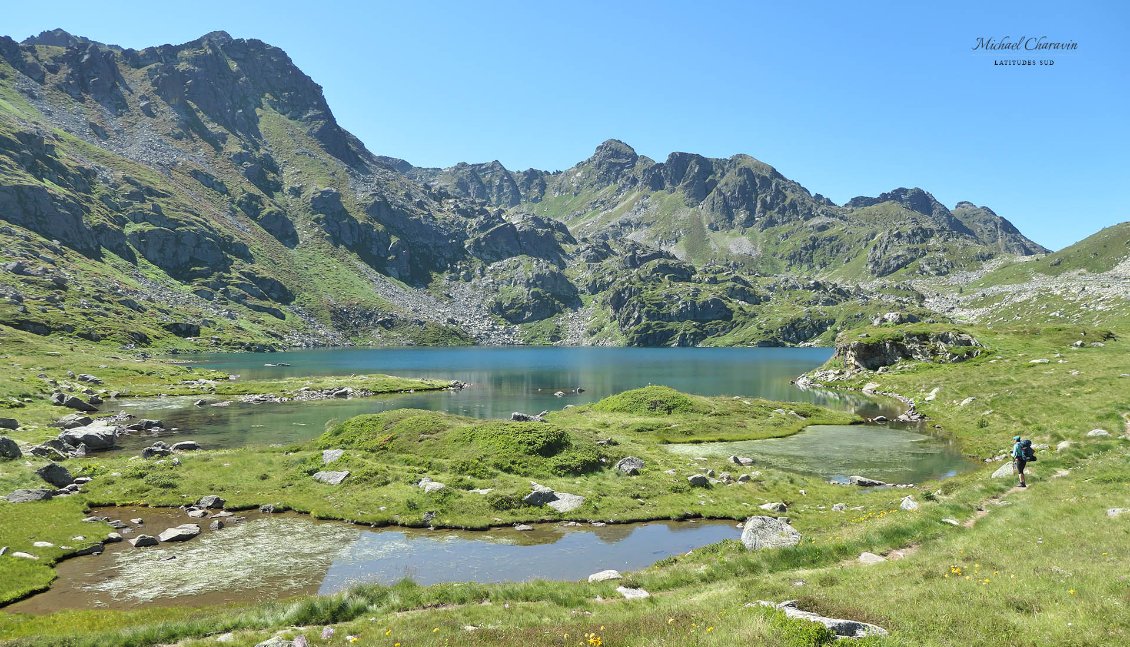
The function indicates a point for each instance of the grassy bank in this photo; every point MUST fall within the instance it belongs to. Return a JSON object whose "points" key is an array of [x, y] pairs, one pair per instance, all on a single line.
{"points": [[1040, 566]]}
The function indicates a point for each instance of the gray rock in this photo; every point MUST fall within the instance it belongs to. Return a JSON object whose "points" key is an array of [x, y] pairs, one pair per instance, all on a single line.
{"points": [[698, 480], [1115, 512], [142, 541], [211, 501], [1004, 471], [9, 450], [197, 513], [768, 532], [216, 524], [23, 555], [840, 627], [72, 420], [518, 416], [433, 486], [863, 481], [96, 435], [604, 576], [741, 460], [55, 474], [541, 495], [839, 507], [332, 478], [566, 502], [48, 452], [185, 446], [777, 506], [744, 478], [156, 449], [331, 455], [112, 538], [629, 465], [871, 558], [908, 503], [27, 496], [9, 423], [523, 527], [183, 532], [1098, 433], [632, 594], [72, 402]]}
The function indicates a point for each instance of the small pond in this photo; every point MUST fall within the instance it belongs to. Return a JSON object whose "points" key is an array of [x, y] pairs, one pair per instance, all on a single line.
{"points": [[269, 557], [838, 451]]}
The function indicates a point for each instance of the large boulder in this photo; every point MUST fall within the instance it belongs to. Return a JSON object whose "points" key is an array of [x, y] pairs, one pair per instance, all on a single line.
{"points": [[9, 450], [566, 502], [604, 576], [72, 420], [55, 474], [629, 465], [96, 435], [183, 532], [768, 532], [698, 480], [1004, 471], [72, 402], [9, 423], [211, 501], [863, 481], [142, 541]]}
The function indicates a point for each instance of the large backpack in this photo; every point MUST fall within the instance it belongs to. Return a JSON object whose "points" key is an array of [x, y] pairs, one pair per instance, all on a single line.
{"points": [[1027, 451]]}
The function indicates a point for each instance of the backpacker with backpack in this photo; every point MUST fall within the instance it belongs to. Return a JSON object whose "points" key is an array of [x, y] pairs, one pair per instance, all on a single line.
{"points": [[1027, 451]]}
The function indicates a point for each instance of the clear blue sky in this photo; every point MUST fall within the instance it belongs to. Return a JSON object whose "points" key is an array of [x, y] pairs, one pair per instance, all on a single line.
{"points": [[848, 98]]}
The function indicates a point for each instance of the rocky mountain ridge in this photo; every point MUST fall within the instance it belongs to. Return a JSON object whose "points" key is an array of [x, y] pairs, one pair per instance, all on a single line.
{"points": [[203, 196]]}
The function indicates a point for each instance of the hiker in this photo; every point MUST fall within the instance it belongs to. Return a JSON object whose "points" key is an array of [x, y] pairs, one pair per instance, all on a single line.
{"points": [[1022, 454]]}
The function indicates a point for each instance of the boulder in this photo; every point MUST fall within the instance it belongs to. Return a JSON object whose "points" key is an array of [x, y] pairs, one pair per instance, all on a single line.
{"points": [[863, 481], [839, 507], [211, 501], [842, 628], [743, 478], [185, 446], [518, 416], [113, 538], [768, 532], [156, 449], [604, 576], [72, 402], [72, 420], [23, 555], [50, 453], [433, 486], [55, 474], [1004, 471], [566, 502], [142, 541], [1062, 445], [217, 524], [1098, 433], [741, 460], [871, 558], [27, 496], [9, 423], [96, 435], [9, 450], [332, 478], [540, 495], [632, 594], [183, 532], [629, 465], [908, 503], [331, 455], [698, 480], [774, 507]]}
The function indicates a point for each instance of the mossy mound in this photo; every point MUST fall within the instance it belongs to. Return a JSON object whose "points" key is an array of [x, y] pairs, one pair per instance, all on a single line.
{"points": [[473, 446], [653, 401]]}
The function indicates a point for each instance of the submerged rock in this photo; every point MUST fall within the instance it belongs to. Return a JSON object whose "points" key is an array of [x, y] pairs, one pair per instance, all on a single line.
{"points": [[142, 541], [768, 532]]}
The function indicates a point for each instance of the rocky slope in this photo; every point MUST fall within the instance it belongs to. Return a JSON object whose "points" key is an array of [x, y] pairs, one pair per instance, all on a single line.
{"points": [[203, 195]]}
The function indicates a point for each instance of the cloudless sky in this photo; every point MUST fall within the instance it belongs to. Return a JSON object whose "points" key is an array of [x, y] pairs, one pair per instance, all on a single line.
{"points": [[847, 98]]}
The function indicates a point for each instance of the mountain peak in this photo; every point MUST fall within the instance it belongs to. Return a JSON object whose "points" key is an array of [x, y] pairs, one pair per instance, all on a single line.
{"points": [[913, 198], [57, 38], [614, 149]]}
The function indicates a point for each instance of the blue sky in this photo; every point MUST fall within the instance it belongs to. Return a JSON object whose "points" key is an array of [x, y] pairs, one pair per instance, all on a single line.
{"points": [[846, 98]]}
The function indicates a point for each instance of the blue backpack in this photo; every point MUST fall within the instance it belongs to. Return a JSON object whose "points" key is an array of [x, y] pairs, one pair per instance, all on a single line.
{"points": [[1027, 451]]}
